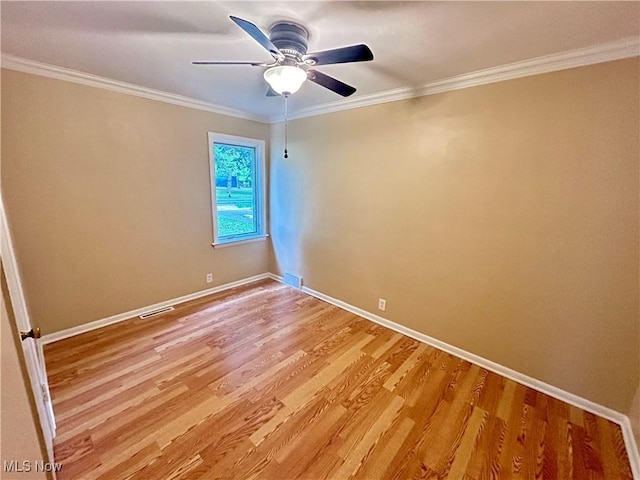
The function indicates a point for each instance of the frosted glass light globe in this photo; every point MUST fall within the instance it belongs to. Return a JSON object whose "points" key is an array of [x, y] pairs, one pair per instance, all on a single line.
{"points": [[285, 79]]}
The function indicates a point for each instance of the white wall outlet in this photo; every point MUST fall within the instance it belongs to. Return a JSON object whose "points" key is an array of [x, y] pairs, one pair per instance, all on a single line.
{"points": [[209, 277], [382, 304]]}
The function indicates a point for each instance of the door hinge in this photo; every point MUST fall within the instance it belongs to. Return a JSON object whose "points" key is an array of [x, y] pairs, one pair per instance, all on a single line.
{"points": [[45, 395]]}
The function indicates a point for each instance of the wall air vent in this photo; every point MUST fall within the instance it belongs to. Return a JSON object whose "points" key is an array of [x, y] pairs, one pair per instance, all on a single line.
{"points": [[153, 313], [292, 280]]}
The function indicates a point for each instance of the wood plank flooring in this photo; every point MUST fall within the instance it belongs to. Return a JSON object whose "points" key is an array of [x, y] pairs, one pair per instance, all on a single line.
{"points": [[265, 382]]}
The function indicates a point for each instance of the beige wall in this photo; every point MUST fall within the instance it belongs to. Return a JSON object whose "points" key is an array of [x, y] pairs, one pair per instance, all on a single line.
{"points": [[19, 439], [108, 199], [501, 219]]}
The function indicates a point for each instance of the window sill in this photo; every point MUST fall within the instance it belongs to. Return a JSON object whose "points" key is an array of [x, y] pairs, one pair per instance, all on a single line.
{"points": [[231, 243]]}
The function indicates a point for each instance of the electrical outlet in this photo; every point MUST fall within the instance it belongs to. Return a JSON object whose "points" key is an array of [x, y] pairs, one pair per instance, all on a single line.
{"points": [[382, 304], [209, 277]]}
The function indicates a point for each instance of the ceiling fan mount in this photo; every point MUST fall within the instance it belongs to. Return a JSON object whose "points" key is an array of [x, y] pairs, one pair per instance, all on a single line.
{"points": [[290, 38], [288, 43]]}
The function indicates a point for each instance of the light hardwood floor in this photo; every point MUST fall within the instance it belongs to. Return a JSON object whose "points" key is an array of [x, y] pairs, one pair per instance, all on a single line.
{"points": [[265, 382]]}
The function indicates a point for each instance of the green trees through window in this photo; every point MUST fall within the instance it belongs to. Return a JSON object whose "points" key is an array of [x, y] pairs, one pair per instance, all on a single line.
{"points": [[235, 172], [237, 195]]}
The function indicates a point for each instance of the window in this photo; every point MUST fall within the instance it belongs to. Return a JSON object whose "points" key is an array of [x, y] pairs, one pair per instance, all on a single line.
{"points": [[237, 188]]}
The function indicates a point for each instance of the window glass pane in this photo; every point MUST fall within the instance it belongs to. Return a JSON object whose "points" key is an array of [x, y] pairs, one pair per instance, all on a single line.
{"points": [[235, 168]]}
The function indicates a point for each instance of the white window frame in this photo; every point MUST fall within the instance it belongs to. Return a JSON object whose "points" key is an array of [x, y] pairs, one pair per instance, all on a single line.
{"points": [[260, 189]]}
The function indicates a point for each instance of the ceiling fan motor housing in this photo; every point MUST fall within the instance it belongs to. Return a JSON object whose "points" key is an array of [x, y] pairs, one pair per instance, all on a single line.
{"points": [[291, 39]]}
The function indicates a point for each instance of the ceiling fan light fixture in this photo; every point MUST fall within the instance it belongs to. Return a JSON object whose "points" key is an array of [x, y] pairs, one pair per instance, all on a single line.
{"points": [[285, 79]]}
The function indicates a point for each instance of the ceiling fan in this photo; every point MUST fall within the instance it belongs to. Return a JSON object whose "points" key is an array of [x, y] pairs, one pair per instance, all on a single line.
{"points": [[287, 44]]}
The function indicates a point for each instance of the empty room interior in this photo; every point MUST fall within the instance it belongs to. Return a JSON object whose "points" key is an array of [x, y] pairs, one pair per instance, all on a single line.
{"points": [[320, 240]]}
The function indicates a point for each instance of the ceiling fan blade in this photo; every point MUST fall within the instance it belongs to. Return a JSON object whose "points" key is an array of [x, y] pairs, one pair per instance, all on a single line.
{"points": [[331, 83], [272, 93], [258, 36], [354, 53], [253, 64]]}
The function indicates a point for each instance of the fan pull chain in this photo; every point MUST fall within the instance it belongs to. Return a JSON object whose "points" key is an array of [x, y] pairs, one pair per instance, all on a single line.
{"points": [[286, 125]]}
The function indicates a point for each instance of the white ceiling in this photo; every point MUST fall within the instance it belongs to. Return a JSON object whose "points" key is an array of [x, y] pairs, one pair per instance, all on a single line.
{"points": [[152, 43]]}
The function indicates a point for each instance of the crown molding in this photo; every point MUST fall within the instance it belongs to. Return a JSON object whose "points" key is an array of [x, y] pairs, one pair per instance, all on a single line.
{"points": [[20, 64], [625, 48]]}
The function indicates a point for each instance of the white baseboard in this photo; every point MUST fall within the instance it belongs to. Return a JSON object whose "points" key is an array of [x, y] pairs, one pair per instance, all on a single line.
{"points": [[632, 447], [87, 327], [277, 278], [570, 398]]}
